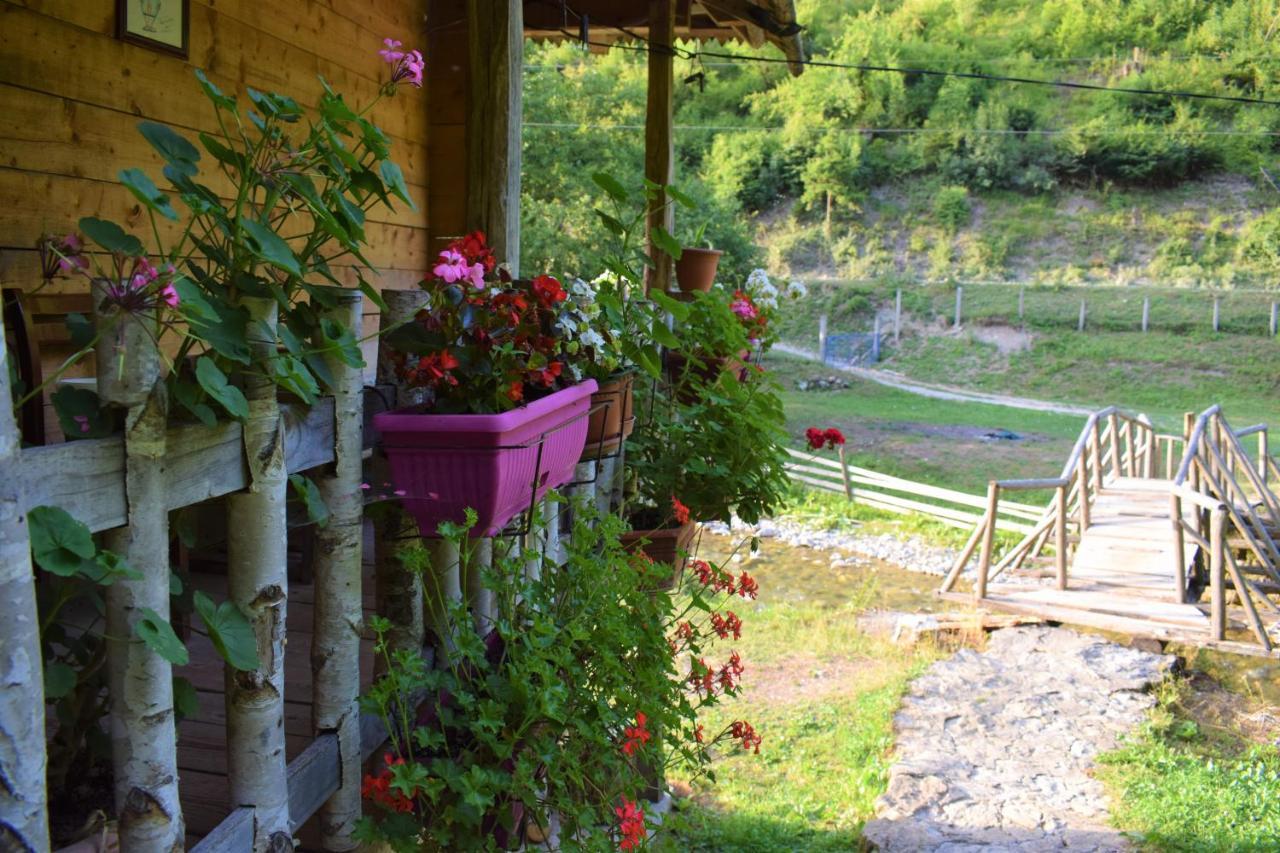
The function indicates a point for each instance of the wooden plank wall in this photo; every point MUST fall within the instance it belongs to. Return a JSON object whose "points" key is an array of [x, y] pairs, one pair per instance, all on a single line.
{"points": [[447, 73], [72, 95]]}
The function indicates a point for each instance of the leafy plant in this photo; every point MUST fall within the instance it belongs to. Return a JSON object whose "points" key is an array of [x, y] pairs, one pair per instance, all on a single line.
{"points": [[581, 683]]}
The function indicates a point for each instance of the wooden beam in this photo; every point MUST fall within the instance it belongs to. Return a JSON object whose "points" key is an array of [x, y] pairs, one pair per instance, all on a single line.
{"points": [[659, 142], [495, 35]]}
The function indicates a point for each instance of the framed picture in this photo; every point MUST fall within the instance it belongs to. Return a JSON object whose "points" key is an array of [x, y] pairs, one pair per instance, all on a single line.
{"points": [[157, 24]]}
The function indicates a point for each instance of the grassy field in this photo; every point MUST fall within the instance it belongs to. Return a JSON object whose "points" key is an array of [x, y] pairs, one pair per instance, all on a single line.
{"points": [[1178, 367], [919, 438]]}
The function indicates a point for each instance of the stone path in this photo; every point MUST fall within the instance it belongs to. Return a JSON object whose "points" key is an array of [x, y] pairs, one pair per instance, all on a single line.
{"points": [[994, 748]]}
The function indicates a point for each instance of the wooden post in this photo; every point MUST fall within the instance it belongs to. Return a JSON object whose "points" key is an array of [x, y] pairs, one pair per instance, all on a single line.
{"points": [[959, 305], [1179, 547], [1218, 598], [1083, 481], [1095, 445], [1264, 451], [1022, 296], [822, 338], [1083, 310], [140, 682], [339, 603], [1146, 313], [844, 473], [1060, 537], [257, 583], [398, 590], [875, 340], [659, 139], [1217, 312], [897, 317], [24, 819], [1114, 423], [988, 540], [1275, 318], [495, 34]]}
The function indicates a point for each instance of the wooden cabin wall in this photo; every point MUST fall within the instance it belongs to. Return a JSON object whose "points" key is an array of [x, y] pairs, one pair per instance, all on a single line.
{"points": [[447, 73], [71, 95]]}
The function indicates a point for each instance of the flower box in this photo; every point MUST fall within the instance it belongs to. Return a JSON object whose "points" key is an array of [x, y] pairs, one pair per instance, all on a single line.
{"points": [[497, 464], [612, 418], [669, 545]]}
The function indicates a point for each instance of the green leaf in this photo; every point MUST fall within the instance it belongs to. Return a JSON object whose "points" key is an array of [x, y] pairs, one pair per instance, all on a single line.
{"points": [[394, 179], [663, 336], [59, 680], [175, 149], [681, 198], [338, 340], [80, 329], [188, 396], [110, 236], [186, 701], [226, 331], [663, 240], [175, 583], [154, 630], [108, 567], [215, 384], [309, 493], [145, 191], [220, 152], [610, 185], [611, 223], [291, 374], [213, 93], [59, 543], [270, 247], [80, 413], [374, 296], [230, 632], [678, 310]]}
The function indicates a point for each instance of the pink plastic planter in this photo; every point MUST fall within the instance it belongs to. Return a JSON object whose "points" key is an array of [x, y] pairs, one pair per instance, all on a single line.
{"points": [[446, 463]]}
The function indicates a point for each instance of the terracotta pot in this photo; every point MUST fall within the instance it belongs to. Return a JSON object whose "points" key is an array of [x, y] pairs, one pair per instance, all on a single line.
{"points": [[612, 416], [696, 269], [663, 545]]}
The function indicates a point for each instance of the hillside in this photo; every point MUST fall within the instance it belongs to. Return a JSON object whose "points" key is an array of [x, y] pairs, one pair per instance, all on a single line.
{"points": [[920, 175]]}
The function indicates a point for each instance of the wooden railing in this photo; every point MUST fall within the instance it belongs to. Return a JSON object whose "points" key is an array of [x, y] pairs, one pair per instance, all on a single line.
{"points": [[895, 494], [1112, 444], [1226, 487]]}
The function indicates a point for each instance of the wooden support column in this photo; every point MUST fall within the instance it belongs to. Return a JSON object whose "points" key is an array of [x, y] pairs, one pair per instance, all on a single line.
{"points": [[24, 819], [339, 614], [140, 682], [258, 584], [398, 590], [659, 141], [495, 35]]}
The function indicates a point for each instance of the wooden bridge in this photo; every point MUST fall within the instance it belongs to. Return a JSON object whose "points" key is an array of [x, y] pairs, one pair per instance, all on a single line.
{"points": [[1157, 535]]}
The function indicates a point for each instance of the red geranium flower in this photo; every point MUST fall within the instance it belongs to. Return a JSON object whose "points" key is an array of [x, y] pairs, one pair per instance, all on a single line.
{"points": [[679, 511], [548, 290], [815, 437], [833, 437], [636, 736], [630, 824], [742, 731], [747, 586]]}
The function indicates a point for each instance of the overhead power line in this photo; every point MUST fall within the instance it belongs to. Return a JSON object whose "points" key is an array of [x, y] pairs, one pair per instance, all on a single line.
{"points": [[983, 131]]}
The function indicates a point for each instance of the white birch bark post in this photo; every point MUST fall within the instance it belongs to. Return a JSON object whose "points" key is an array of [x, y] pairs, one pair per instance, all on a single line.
{"points": [[1275, 316], [339, 613], [480, 597], [399, 591], [144, 744], [24, 820], [1146, 313], [443, 589], [1080, 324], [258, 584], [897, 318]]}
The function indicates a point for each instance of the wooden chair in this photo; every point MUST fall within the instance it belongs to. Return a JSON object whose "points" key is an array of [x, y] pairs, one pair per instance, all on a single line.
{"points": [[36, 333]]}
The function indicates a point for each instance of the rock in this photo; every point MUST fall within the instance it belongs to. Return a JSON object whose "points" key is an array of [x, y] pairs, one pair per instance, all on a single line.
{"points": [[995, 748]]}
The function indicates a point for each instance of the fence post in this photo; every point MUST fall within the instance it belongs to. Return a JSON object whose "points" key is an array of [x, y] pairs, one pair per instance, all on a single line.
{"points": [[1146, 313], [988, 540], [140, 683], [897, 317], [959, 305], [23, 804], [1217, 312], [1083, 309], [1022, 297], [875, 340], [822, 338], [398, 590], [1060, 536], [258, 584], [339, 602], [1275, 317], [1218, 602], [844, 473]]}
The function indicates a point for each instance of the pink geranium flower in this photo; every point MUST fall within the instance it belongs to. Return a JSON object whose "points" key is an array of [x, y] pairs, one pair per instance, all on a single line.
{"points": [[406, 66]]}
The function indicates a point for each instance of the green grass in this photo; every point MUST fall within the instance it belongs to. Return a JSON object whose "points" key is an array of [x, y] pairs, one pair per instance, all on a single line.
{"points": [[1179, 789], [923, 439]]}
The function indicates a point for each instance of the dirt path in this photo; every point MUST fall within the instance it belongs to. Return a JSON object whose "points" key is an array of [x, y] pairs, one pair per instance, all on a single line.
{"points": [[939, 392], [995, 749]]}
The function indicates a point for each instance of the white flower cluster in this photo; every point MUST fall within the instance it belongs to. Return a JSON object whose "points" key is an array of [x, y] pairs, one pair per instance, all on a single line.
{"points": [[578, 325]]}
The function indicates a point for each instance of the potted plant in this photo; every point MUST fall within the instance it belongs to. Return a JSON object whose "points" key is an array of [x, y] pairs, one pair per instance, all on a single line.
{"points": [[503, 423], [696, 264], [593, 350], [710, 337]]}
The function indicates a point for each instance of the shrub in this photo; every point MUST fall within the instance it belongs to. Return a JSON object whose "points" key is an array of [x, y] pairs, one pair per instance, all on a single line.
{"points": [[951, 207]]}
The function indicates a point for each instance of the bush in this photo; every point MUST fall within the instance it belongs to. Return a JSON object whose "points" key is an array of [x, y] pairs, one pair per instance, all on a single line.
{"points": [[951, 207]]}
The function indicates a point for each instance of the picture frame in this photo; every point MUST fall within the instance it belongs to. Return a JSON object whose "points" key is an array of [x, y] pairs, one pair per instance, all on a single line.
{"points": [[162, 25]]}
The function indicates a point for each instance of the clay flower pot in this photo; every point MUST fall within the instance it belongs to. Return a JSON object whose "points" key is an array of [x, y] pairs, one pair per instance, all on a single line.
{"points": [[612, 416], [696, 269], [663, 545], [498, 465]]}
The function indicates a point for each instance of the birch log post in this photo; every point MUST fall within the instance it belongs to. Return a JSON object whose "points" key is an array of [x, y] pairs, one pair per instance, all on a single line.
{"points": [[258, 584], [480, 598], [338, 615], [443, 589], [144, 745], [399, 590], [24, 824]]}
